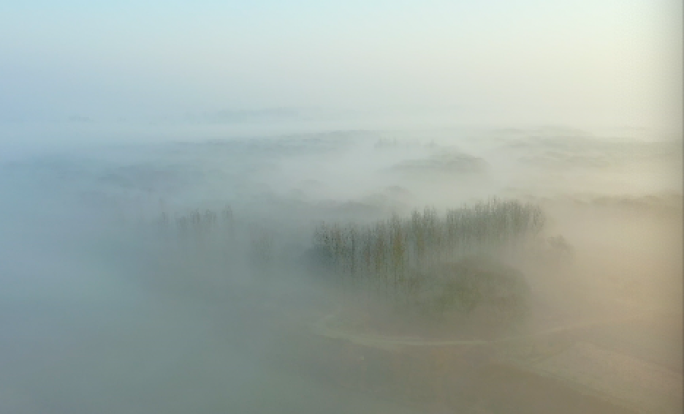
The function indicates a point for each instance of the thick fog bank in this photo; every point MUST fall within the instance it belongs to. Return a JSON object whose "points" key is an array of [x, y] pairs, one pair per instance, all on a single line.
{"points": [[173, 276]]}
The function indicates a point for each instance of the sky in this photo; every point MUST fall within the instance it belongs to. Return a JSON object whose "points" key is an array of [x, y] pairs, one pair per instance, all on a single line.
{"points": [[607, 62]]}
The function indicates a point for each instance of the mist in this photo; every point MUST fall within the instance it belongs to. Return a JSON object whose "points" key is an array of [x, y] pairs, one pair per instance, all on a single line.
{"points": [[112, 303], [341, 207], [578, 64]]}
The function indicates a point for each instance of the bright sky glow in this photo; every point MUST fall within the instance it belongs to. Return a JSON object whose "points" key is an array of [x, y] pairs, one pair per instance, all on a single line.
{"points": [[609, 61]]}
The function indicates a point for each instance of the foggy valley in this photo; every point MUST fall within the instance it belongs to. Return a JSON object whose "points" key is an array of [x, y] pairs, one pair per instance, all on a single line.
{"points": [[341, 207], [349, 271]]}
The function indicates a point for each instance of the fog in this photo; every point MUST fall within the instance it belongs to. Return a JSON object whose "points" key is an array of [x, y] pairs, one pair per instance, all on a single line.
{"points": [[107, 309], [578, 63], [340, 207]]}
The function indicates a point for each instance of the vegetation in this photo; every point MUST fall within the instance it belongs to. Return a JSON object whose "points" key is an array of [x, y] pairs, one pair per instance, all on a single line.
{"points": [[198, 228], [474, 281], [427, 261], [386, 250], [404, 258]]}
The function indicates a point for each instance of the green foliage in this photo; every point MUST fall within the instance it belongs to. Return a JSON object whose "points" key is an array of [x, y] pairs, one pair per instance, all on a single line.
{"points": [[388, 248], [401, 257]]}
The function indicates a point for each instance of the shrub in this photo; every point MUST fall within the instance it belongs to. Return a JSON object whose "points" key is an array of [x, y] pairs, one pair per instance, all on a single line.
{"points": [[472, 282]]}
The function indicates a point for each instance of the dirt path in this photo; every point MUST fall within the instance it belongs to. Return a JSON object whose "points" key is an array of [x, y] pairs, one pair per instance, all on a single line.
{"points": [[596, 378], [323, 328]]}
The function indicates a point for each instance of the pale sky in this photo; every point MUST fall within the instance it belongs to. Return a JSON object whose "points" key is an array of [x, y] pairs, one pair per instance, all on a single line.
{"points": [[610, 61]]}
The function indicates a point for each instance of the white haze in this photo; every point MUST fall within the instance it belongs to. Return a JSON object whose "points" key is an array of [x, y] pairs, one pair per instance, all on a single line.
{"points": [[114, 115], [96, 317]]}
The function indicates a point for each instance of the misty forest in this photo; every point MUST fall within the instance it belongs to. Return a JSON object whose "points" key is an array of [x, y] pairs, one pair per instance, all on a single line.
{"points": [[488, 271], [341, 207]]}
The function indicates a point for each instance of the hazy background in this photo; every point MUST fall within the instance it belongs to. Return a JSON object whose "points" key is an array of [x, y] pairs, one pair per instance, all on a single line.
{"points": [[111, 114], [583, 63]]}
